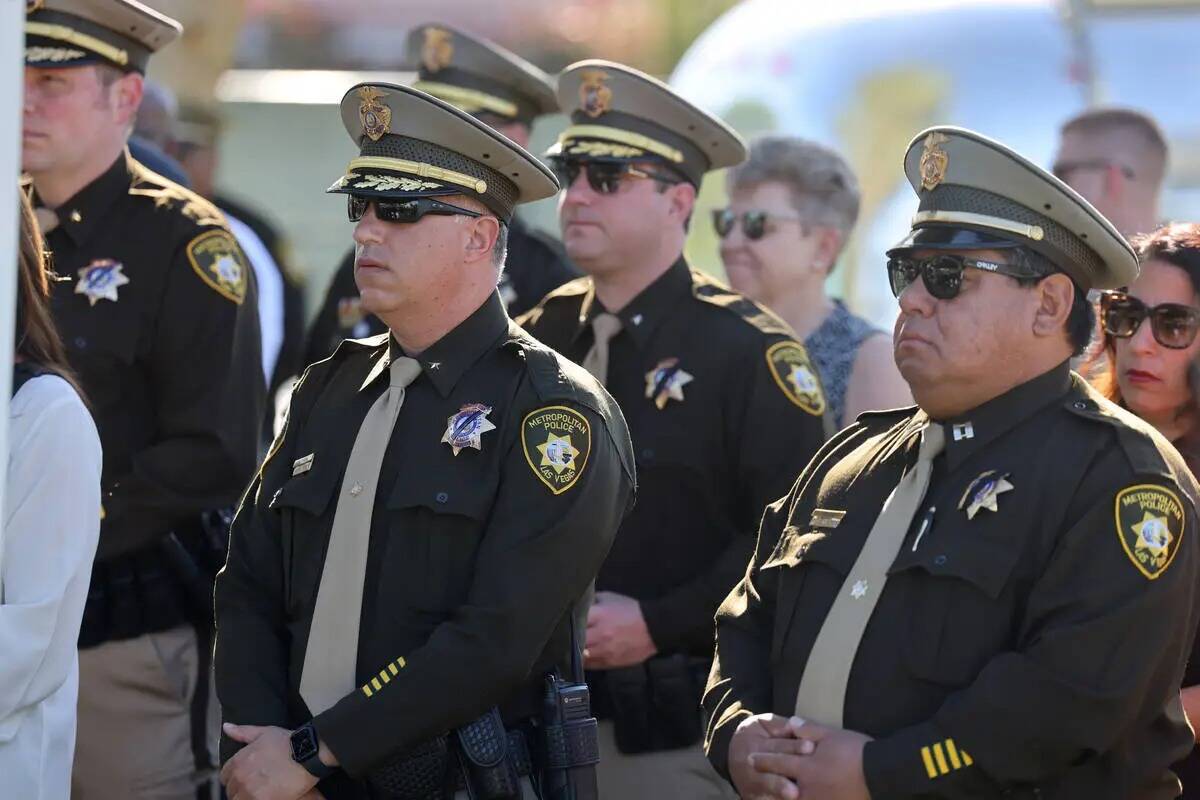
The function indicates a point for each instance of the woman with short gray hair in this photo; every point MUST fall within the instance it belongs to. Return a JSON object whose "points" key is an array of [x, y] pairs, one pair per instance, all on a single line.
{"points": [[793, 205]]}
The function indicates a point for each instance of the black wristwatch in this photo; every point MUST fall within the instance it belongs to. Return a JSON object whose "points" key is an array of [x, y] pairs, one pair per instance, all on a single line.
{"points": [[305, 749]]}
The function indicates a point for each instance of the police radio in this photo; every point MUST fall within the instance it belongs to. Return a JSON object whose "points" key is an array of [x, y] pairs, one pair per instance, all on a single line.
{"points": [[570, 734]]}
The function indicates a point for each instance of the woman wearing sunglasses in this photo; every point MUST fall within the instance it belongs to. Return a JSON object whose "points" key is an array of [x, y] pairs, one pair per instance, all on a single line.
{"points": [[1152, 349], [793, 204]]}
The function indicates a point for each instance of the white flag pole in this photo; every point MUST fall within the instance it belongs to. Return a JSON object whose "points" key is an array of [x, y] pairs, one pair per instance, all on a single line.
{"points": [[12, 84]]}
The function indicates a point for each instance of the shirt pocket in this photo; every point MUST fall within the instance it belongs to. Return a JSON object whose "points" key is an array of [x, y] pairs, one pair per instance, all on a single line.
{"points": [[305, 519], [961, 599], [433, 540]]}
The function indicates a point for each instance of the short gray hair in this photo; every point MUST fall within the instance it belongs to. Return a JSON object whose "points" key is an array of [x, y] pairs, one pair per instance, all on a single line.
{"points": [[824, 189], [500, 247]]}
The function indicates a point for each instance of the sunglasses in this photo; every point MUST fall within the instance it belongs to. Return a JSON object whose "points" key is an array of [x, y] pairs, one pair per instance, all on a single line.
{"points": [[604, 176], [1174, 325], [754, 223], [406, 210], [942, 273]]}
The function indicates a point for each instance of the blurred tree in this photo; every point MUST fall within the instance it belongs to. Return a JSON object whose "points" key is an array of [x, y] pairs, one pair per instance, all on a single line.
{"points": [[683, 21]]}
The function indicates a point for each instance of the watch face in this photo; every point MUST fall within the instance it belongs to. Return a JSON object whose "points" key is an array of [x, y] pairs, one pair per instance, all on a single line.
{"points": [[304, 744]]}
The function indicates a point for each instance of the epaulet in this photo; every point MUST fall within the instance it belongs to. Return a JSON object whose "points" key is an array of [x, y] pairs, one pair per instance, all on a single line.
{"points": [[1143, 446], [554, 377], [713, 292], [165, 192], [570, 289]]}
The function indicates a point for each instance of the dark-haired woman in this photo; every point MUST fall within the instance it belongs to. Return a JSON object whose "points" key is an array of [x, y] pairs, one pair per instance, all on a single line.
{"points": [[51, 527], [1151, 339]]}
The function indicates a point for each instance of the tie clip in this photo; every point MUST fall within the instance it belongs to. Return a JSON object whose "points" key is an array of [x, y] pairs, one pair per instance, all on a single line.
{"points": [[302, 465]]}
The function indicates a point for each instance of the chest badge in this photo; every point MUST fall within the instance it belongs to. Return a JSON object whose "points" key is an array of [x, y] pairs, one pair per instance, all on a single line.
{"points": [[100, 280], [665, 382], [467, 427], [982, 492]]}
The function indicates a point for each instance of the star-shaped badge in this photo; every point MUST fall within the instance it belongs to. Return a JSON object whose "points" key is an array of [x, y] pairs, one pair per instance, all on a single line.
{"points": [[982, 493], [558, 453], [467, 427], [859, 590], [665, 382], [100, 280], [1153, 534]]}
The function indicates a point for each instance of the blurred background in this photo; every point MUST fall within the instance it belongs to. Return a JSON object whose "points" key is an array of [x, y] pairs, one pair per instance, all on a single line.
{"points": [[258, 81]]}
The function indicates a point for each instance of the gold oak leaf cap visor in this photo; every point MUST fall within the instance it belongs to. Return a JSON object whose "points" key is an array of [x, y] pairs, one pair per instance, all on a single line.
{"points": [[74, 33], [620, 114], [412, 144]]}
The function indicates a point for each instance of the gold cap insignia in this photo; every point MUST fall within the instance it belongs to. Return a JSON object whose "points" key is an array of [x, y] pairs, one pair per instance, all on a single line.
{"points": [[595, 97], [376, 117], [933, 161], [437, 50], [1150, 524]]}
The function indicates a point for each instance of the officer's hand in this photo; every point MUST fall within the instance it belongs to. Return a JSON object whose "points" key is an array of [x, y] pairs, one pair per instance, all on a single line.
{"points": [[264, 769], [616, 633], [832, 771], [756, 737]]}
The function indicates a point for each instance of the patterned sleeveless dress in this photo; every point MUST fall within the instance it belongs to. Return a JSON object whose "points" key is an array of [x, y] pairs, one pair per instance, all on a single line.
{"points": [[833, 347]]}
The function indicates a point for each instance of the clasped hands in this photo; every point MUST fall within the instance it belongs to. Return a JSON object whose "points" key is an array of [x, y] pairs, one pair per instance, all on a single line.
{"points": [[772, 757], [264, 769]]}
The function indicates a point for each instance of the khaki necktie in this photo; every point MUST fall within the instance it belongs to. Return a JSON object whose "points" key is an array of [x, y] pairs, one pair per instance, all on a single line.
{"points": [[604, 327], [821, 697], [332, 652]]}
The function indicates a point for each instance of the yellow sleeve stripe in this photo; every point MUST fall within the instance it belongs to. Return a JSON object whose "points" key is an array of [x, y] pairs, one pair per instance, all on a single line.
{"points": [[941, 758], [367, 690], [383, 676], [952, 752], [930, 769], [376, 684], [392, 668]]}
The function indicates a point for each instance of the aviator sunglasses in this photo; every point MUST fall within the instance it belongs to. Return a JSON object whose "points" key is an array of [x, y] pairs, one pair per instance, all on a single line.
{"points": [[942, 273], [1174, 325], [754, 223], [405, 210], [604, 176]]}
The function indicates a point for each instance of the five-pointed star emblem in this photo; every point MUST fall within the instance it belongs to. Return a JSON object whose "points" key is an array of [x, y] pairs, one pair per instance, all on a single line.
{"points": [[558, 453], [859, 590], [1153, 534]]}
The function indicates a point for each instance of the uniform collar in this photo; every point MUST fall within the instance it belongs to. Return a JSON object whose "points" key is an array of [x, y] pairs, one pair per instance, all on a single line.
{"points": [[444, 362], [80, 216], [972, 431], [642, 315]]}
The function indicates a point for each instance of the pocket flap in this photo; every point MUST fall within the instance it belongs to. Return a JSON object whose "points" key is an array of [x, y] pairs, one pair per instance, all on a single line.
{"points": [[448, 497], [792, 547], [309, 491]]}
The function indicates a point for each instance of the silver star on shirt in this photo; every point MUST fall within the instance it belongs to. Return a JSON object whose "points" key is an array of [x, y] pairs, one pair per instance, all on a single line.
{"points": [[859, 590]]}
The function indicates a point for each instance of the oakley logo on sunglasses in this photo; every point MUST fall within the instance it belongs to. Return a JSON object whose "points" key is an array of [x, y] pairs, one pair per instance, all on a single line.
{"points": [[942, 273]]}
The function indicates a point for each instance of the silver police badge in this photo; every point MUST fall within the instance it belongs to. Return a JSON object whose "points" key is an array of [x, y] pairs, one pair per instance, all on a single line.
{"points": [[466, 428], [100, 280]]}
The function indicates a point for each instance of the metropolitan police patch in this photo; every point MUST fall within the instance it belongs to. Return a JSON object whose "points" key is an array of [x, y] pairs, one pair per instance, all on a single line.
{"points": [[1150, 525], [219, 262], [796, 376], [557, 442]]}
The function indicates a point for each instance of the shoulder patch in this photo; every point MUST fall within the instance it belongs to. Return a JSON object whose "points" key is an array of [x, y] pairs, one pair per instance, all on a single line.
{"points": [[557, 442], [219, 262], [796, 376], [1150, 525]]}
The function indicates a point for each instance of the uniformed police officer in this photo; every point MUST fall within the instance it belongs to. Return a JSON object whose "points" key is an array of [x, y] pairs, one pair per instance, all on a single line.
{"points": [[441, 498], [501, 90], [991, 594], [722, 402], [158, 316]]}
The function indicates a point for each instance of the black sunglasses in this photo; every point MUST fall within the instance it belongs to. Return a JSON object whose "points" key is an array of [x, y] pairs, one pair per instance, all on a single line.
{"points": [[404, 210], [754, 223], [604, 176], [1174, 325], [942, 273]]}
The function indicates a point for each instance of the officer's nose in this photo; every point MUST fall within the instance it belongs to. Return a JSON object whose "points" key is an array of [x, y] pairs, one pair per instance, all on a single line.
{"points": [[369, 229], [916, 300], [579, 192]]}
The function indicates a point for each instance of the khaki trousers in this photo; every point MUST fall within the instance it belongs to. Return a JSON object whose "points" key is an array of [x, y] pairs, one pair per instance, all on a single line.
{"points": [[666, 775], [134, 739]]}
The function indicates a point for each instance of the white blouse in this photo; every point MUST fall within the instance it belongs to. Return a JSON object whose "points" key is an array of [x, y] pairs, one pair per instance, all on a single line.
{"points": [[51, 527]]}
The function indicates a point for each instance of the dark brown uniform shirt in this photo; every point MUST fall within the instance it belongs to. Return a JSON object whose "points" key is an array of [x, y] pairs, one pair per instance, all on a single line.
{"points": [[1034, 650], [474, 559], [159, 318], [724, 409]]}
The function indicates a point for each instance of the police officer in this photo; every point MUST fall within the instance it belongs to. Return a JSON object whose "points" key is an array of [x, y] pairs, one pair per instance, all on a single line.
{"points": [[442, 495], [158, 316], [991, 594], [505, 92], [723, 405]]}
